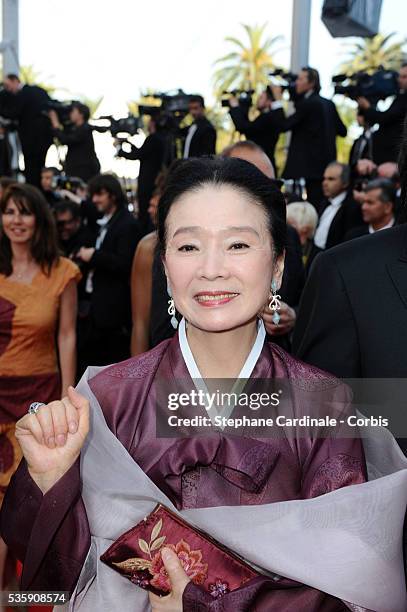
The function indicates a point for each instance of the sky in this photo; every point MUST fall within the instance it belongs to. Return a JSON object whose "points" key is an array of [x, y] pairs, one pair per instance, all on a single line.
{"points": [[117, 49]]}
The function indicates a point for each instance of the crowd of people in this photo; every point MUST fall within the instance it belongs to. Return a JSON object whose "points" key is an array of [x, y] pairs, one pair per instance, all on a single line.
{"points": [[217, 271]]}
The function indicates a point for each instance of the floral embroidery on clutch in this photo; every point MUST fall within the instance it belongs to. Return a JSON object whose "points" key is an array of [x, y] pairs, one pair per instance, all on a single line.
{"points": [[153, 571], [137, 556]]}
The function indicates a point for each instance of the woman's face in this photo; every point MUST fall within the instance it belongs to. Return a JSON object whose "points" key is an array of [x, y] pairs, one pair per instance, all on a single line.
{"points": [[219, 258], [18, 223]]}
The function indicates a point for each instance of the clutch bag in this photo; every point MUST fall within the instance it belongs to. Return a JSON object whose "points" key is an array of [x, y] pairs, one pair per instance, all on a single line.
{"points": [[136, 555]]}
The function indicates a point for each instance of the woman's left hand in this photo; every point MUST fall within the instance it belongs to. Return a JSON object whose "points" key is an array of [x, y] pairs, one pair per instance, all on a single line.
{"points": [[178, 579]]}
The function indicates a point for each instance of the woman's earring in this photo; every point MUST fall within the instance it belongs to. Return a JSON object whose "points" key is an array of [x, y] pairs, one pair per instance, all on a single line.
{"points": [[275, 303], [171, 308]]}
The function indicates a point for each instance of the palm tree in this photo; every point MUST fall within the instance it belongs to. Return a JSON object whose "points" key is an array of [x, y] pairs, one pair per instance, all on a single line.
{"points": [[372, 53], [248, 65]]}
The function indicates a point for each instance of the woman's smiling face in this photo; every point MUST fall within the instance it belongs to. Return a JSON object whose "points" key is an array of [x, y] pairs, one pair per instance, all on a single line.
{"points": [[219, 257]]}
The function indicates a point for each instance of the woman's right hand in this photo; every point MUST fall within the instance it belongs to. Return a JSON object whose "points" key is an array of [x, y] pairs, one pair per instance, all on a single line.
{"points": [[52, 439]]}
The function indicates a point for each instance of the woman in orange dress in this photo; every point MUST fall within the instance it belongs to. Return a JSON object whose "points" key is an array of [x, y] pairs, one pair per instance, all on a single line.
{"points": [[38, 300]]}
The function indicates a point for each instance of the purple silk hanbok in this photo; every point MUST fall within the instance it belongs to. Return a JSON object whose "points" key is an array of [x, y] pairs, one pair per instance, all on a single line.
{"points": [[50, 533]]}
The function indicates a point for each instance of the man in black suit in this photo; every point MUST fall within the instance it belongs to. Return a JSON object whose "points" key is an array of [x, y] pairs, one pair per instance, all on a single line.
{"points": [[314, 127], [377, 208], [352, 319], [265, 129], [200, 137], [104, 336], [386, 141], [339, 212], [27, 104]]}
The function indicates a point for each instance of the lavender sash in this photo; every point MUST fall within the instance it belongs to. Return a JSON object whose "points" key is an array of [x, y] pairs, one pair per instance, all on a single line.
{"points": [[346, 543]]}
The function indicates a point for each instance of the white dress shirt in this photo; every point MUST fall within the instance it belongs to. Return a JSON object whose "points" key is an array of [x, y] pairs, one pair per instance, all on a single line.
{"points": [[321, 234], [387, 226], [193, 128], [103, 222]]}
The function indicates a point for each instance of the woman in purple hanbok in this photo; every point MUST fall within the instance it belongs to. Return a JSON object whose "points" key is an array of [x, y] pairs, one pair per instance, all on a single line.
{"points": [[296, 506]]}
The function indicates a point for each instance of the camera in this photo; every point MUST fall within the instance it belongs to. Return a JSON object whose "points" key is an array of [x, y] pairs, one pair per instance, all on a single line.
{"points": [[62, 109], [129, 125], [377, 86], [171, 110], [69, 183], [168, 114], [245, 98]]}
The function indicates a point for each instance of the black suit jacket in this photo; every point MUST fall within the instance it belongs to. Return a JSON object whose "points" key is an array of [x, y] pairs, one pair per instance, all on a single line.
{"points": [[110, 299], [204, 140], [387, 139], [352, 319], [362, 148], [264, 130], [357, 232], [28, 106], [314, 125]]}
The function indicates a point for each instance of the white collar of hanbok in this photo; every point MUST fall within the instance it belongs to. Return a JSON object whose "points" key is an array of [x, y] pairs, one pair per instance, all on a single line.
{"points": [[244, 373], [248, 365]]}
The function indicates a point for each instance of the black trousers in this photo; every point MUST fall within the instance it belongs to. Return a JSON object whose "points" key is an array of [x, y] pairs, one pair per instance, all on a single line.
{"points": [[315, 195], [34, 161]]}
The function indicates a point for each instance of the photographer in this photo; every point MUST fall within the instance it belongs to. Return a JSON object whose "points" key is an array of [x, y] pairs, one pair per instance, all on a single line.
{"points": [[72, 233], [151, 157], [27, 104], [386, 141], [265, 129], [314, 126], [81, 158]]}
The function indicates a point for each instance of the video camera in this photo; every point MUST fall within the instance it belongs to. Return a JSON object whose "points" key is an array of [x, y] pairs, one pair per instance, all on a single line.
{"points": [[245, 98], [68, 183], [62, 109], [377, 86], [285, 80], [172, 109], [129, 125], [168, 114]]}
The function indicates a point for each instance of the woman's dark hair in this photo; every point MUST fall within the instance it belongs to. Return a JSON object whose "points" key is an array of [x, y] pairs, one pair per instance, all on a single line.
{"points": [[44, 244], [193, 174], [110, 184]]}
